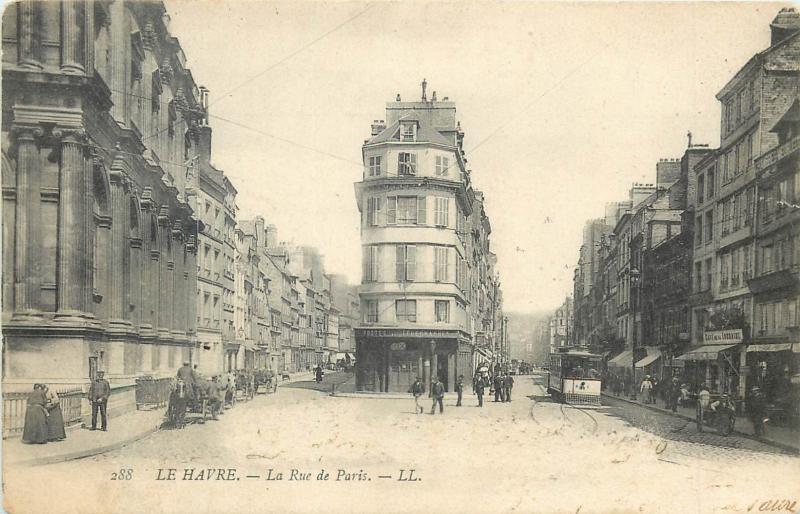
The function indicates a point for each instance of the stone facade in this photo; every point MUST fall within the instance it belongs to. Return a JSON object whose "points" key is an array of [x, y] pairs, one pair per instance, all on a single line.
{"points": [[100, 116]]}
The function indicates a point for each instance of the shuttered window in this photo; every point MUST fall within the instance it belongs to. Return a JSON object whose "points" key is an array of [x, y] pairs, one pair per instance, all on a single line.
{"points": [[442, 214], [370, 264], [406, 310], [441, 263], [373, 210], [406, 263]]}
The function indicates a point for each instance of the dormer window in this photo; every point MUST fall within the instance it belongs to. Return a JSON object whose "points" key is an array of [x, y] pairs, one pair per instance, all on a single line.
{"points": [[408, 131]]}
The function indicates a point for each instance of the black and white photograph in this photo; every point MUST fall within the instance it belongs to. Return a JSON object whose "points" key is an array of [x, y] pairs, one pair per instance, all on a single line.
{"points": [[430, 256]]}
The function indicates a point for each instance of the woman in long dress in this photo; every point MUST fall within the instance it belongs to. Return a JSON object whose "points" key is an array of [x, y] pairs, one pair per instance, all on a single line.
{"points": [[55, 420], [35, 431]]}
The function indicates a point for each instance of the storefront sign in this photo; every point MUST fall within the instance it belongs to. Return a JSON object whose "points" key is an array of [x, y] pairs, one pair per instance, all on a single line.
{"points": [[723, 337], [408, 333], [398, 347]]}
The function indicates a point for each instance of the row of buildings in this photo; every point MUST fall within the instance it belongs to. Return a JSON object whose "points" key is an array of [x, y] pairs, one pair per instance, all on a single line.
{"points": [[696, 275], [122, 250], [430, 294]]}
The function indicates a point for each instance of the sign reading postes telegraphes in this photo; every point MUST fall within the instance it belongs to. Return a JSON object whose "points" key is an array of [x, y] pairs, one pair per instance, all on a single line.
{"points": [[398, 347], [723, 337]]}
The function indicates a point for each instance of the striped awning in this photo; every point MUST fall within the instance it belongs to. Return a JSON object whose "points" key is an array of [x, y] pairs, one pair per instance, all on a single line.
{"points": [[705, 353]]}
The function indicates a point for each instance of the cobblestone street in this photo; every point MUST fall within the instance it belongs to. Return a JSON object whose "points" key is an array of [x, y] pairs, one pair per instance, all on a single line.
{"points": [[553, 458]]}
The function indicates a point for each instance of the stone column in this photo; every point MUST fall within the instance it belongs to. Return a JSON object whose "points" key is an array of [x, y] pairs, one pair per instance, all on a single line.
{"points": [[162, 286], [434, 361], [73, 36], [120, 245], [30, 45], [73, 271], [120, 43], [178, 298], [27, 278]]}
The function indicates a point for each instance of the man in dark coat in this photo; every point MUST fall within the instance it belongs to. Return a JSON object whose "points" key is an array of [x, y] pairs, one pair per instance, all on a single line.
{"points": [[460, 389], [189, 377], [498, 388], [215, 396], [479, 385], [757, 410], [99, 392], [437, 393], [508, 383]]}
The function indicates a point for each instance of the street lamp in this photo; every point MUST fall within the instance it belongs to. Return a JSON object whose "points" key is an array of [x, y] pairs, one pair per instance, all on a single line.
{"points": [[634, 301]]}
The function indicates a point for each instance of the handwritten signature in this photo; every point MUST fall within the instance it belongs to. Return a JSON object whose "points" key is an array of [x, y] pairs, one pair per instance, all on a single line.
{"points": [[773, 506]]}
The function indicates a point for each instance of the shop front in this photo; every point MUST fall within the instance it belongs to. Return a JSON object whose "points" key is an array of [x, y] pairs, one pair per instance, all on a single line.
{"points": [[774, 367], [650, 364], [389, 360], [716, 363]]}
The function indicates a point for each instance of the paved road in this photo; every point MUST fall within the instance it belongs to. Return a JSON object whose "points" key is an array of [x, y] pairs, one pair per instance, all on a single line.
{"points": [[328, 380], [675, 429], [529, 455]]}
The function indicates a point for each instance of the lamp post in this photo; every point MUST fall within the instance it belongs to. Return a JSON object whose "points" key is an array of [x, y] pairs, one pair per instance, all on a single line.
{"points": [[634, 303]]}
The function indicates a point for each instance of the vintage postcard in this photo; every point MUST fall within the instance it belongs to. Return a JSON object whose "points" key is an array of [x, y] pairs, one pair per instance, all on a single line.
{"points": [[400, 257]]}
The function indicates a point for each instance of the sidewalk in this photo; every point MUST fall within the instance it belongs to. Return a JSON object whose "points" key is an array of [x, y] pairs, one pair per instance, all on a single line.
{"points": [[782, 437], [82, 442]]}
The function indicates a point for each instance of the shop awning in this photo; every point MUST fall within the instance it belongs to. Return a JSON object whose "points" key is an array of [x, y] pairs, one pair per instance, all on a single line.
{"points": [[704, 353], [623, 360], [770, 347], [653, 354]]}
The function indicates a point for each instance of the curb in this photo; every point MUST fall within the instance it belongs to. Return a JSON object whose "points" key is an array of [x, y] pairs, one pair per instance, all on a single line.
{"points": [[81, 454], [768, 442]]}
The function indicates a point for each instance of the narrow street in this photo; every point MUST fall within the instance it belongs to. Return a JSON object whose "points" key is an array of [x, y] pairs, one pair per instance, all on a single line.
{"points": [[553, 458]]}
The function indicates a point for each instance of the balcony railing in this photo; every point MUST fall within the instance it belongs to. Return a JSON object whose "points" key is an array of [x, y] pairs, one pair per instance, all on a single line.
{"points": [[776, 154]]}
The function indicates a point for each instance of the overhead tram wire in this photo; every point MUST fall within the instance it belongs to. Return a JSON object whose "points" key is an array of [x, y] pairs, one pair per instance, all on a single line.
{"points": [[278, 63]]}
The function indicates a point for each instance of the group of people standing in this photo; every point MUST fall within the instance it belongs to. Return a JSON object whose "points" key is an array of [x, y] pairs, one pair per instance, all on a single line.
{"points": [[44, 421], [220, 390], [502, 390]]}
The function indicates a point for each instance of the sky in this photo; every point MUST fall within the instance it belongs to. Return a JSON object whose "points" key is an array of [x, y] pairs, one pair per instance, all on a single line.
{"points": [[563, 105]]}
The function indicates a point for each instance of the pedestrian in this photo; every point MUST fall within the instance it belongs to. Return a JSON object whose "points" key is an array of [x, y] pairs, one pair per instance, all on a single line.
{"points": [[646, 388], [437, 393], [35, 428], [99, 392], [479, 385], [417, 389], [674, 394], [703, 403], [757, 410], [215, 396], [189, 377], [508, 384], [654, 390], [498, 388], [460, 389], [55, 418]]}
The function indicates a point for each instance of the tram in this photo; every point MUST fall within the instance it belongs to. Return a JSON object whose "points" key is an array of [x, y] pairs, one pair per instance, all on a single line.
{"points": [[575, 377]]}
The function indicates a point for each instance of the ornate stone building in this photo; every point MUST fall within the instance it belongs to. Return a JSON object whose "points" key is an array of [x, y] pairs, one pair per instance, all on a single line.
{"points": [[100, 118]]}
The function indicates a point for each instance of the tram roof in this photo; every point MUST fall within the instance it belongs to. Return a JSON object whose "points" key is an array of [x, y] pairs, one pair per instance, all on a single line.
{"points": [[578, 353]]}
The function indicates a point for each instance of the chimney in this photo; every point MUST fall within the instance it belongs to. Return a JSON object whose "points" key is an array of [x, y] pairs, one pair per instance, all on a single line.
{"points": [[204, 143], [260, 235], [786, 23], [272, 236], [378, 126]]}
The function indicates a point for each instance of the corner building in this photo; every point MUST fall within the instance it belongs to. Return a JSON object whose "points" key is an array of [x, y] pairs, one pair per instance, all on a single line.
{"points": [[414, 199]]}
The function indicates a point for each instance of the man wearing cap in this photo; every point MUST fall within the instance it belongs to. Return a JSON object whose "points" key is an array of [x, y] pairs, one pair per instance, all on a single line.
{"points": [[99, 392]]}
